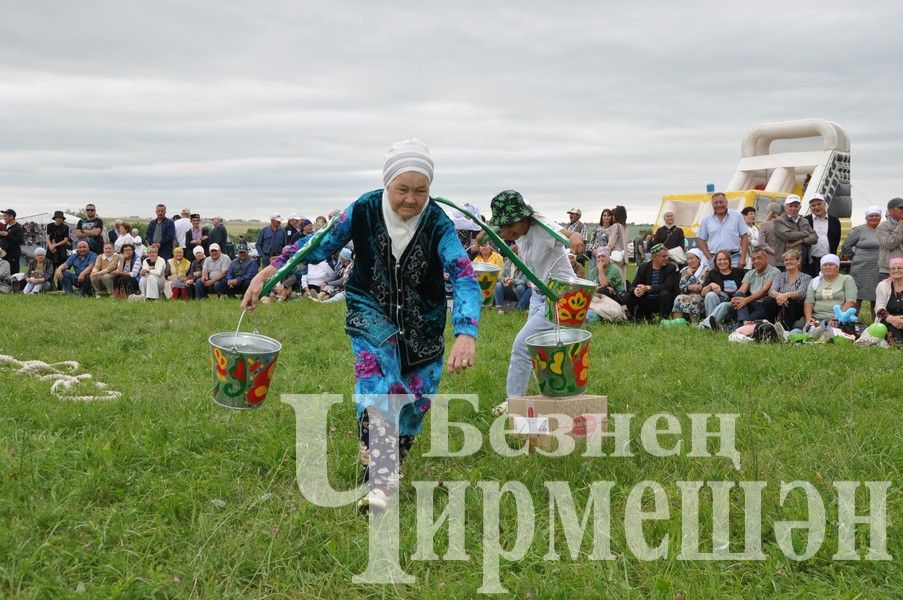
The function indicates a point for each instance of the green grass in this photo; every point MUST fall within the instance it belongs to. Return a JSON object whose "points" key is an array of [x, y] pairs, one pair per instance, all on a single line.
{"points": [[164, 494]]}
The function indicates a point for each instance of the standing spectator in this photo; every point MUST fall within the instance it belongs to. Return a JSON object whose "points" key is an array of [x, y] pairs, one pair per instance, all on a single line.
{"points": [[669, 234], [123, 236], [889, 303], [601, 232], [11, 240], [576, 225], [195, 271], [766, 232], [863, 246], [271, 240], [216, 266], [112, 234], [178, 273], [654, 287], [196, 235], [890, 236], [293, 229], [792, 231], [90, 230], [104, 266], [81, 263], [125, 277], [827, 228], [241, 271], [723, 229], [749, 217], [6, 286], [161, 231], [153, 277], [39, 273], [617, 240], [57, 239], [182, 225], [218, 235]]}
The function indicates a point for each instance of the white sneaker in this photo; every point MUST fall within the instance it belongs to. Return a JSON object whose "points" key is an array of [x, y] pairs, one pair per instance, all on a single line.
{"points": [[136, 297], [500, 409], [376, 501]]}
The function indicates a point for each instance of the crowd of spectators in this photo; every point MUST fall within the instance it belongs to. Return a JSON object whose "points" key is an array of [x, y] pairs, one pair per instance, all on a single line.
{"points": [[785, 271]]}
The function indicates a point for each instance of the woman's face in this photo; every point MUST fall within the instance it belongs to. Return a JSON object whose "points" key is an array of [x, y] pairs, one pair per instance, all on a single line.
{"points": [[792, 264], [127, 251], [669, 219], [606, 218], [121, 229], [723, 263], [40, 258], [485, 250], [693, 261], [514, 231], [873, 220], [830, 270], [152, 252], [408, 194], [178, 253]]}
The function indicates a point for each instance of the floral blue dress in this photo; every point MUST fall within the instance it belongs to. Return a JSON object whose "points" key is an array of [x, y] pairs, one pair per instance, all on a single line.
{"points": [[690, 303]]}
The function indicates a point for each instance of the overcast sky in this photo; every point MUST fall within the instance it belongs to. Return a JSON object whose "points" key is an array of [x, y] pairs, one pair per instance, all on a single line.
{"points": [[242, 108]]}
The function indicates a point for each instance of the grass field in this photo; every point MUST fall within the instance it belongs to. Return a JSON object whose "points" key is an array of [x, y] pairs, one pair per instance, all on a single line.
{"points": [[163, 494]]}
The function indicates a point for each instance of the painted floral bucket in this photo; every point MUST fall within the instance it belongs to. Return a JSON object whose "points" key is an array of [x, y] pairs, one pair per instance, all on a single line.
{"points": [[487, 277], [243, 365], [560, 361], [574, 296]]}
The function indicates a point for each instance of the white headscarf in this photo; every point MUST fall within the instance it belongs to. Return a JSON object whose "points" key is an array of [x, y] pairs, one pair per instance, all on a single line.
{"points": [[703, 263], [827, 258], [404, 157]]}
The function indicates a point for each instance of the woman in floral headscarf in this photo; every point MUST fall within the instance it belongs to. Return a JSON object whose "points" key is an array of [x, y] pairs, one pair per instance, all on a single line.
{"points": [[403, 244]]}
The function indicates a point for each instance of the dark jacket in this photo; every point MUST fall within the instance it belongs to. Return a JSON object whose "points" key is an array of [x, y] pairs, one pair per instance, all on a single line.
{"points": [[167, 239], [12, 244], [205, 244], [833, 232], [668, 282], [671, 238]]}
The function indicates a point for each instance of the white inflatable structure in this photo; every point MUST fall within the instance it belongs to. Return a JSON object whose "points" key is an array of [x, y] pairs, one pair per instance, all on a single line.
{"points": [[825, 170]]}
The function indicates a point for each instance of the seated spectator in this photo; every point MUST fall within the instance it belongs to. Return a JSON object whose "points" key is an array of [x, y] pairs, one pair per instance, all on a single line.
{"points": [[689, 304], [123, 237], [579, 270], [39, 275], [746, 303], [102, 274], [653, 289], [511, 286], [486, 254], [178, 274], [77, 270], [241, 271], [336, 286], [125, 277], [6, 286], [784, 303], [195, 271], [153, 274], [831, 288], [609, 276], [315, 280], [216, 266], [889, 301], [721, 284]]}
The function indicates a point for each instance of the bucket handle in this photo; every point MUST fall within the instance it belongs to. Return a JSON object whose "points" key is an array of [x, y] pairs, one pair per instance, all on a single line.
{"points": [[238, 329]]}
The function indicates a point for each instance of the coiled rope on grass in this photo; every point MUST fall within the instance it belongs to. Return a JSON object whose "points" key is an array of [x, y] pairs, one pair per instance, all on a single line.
{"points": [[64, 376]]}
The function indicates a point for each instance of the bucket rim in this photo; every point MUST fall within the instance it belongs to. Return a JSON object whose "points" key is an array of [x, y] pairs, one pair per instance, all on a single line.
{"points": [[558, 338], [487, 267], [215, 341], [578, 281]]}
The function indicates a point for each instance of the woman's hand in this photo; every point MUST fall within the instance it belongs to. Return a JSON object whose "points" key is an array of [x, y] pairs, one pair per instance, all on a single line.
{"points": [[463, 354], [252, 295], [577, 245]]}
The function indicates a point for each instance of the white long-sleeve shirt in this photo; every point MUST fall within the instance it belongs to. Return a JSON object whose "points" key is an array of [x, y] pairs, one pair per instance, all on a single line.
{"points": [[317, 274]]}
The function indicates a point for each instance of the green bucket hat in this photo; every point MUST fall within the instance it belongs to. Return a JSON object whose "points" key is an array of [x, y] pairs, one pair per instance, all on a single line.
{"points": [[508, 207]]}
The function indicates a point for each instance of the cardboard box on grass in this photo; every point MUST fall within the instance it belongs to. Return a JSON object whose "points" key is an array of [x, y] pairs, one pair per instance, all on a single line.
{"points": [[531, 416]]}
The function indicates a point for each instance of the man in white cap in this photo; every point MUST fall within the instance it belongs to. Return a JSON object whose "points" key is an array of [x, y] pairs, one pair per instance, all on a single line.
{"points": [[576, 225], [827, 228], [792, 231], [890, 237], [271, 240], [215, 268]]}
